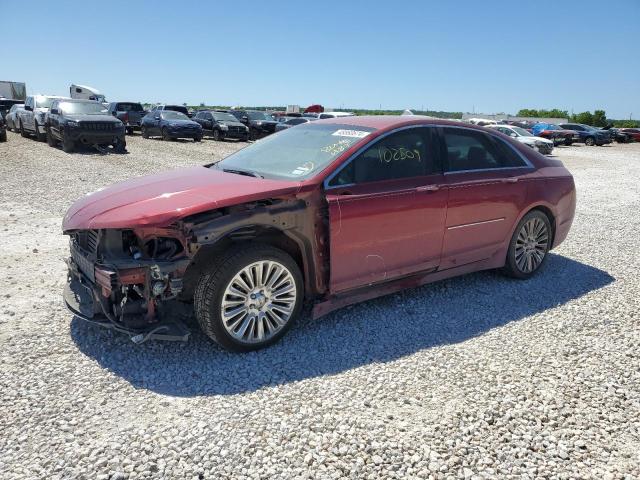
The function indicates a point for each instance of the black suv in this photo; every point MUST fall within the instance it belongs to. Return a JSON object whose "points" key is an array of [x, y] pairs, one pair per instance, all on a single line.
{"points": [[221, 125], [260, 123], [83, 121], [3, 129]]}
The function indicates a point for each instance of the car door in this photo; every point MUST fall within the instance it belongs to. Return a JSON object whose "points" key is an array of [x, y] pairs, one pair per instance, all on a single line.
{"points": [[387, 209], [52, 119], [487, 182]]}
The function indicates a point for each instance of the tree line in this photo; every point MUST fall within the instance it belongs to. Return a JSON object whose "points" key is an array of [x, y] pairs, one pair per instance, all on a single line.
{"points": [[597, 119]]}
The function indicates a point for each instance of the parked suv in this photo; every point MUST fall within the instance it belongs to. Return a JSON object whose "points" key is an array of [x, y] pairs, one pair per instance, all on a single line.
{"points": [[83, 121], [129, 113], [221, 125], [31, 119], [260, 123], [588, 135]]}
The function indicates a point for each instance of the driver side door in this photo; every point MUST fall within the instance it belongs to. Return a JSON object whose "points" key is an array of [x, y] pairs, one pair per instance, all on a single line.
{"points": [[387, 210]]}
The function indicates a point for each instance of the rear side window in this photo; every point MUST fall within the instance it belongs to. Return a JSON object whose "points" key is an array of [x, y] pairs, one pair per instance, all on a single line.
{"points": [[402, 154], [471, 150], [129, 107]]}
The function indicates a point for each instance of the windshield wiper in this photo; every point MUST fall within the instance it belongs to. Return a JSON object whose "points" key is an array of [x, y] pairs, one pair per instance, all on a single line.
{"points": [[247, 173]]}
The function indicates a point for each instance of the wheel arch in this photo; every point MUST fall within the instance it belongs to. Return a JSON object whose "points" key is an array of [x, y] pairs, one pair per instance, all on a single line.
{"points": [[286, 241]]}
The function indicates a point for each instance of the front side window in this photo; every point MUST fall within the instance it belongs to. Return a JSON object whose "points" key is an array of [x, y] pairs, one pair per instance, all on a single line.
{"points": [[472, 150], [402, 154]]}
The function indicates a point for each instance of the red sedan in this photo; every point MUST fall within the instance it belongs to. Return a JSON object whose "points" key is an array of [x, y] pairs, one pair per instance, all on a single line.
{"points": [[632, 133], [333, 212]]}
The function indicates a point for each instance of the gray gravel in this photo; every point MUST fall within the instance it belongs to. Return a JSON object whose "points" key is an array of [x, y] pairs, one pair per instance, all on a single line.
{"points": [[475, 377]]}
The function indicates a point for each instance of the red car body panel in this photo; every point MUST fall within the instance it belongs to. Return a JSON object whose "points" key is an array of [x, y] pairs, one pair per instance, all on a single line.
{"points": [[159, 200], [355, 242], [632, 132]]}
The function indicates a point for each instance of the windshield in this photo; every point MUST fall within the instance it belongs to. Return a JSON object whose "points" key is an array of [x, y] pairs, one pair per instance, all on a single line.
{"points": [[176, 108], [224, 117], [521, 131], [88, 108], [259, 116], [295, 153], [171, 115], [130, 107], [43, 102]]}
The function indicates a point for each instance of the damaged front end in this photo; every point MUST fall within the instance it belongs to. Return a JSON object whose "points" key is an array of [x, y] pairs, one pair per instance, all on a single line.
{"points": [[128, 280]]}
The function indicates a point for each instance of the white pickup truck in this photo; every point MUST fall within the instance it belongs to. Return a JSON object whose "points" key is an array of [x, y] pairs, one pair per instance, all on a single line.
{"points": [[31, 119]]}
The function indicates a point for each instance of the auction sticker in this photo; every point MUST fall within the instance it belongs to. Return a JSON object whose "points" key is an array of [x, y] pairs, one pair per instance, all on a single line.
{"points": [[351, 133]]}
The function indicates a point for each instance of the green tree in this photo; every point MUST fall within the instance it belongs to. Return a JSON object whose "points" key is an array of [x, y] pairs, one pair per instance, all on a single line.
{"points": [[584, 117], [599, 118]]}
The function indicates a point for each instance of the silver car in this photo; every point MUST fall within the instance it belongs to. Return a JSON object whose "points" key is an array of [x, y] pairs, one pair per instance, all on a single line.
{"points": [[12, 117]]}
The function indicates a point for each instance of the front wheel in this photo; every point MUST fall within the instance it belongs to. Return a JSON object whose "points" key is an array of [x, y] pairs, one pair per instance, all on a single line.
{"points": [[50, 140], [249, 298], [23, 132], [68, 145], [165, 135], [568, 141], [120, 146], [216, 135], [41, 137], [590, 141], [529, 245], [143, 131], [129, 130], [3, 136]]}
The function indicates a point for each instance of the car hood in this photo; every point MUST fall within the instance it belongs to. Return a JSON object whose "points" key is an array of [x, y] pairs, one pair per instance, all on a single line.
{"points": [[159, 200], [92, 118], [232, 124], [181, 123]]}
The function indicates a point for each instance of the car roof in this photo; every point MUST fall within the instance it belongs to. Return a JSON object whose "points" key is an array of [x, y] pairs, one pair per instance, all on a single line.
{"points": [[384, 122]]}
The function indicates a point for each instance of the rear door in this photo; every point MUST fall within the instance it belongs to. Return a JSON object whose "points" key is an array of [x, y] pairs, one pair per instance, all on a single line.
{"points": [[487, 182], [387, 209]]}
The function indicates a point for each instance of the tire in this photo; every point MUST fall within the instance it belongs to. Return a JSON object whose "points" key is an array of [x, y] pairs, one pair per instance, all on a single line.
{"points": [[253, 134], [3, 136], [41, 137], [589, 141], [50, 140], [568, 142], [165, 135], [129, 130], [211, 292], [68, 145], [216, 135], [197, 139], [143, 132], [23, 132], [529, 245], [121, 145]]}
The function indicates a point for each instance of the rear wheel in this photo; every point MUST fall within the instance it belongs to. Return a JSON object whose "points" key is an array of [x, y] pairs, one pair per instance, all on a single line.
{"points": [[529, 245], [249, 298], [590, 141], [568, 141]]}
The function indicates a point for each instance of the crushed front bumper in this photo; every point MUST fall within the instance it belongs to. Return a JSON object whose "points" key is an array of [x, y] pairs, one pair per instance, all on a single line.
{"points": [[81, 297]]}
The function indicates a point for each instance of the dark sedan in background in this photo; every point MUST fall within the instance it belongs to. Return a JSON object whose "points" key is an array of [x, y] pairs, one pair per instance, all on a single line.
{"points": [[588, 135], [170, 125], [221, 125], [290, 122], [559, 136], [260, 123]]}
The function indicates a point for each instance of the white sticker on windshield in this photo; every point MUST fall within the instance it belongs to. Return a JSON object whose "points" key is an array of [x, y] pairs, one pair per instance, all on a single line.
{"points": [[351, 133], [303, 169]]}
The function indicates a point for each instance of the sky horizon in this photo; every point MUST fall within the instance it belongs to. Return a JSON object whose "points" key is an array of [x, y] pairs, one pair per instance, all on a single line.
{"points": [[486, 57]]}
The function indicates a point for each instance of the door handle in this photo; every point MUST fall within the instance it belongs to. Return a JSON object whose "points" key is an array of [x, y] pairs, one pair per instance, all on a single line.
{"points": [[428, 188], [510, 180]]}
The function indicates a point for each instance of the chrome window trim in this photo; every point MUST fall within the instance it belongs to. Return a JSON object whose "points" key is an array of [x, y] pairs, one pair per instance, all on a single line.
{"points": [[326, 181]]}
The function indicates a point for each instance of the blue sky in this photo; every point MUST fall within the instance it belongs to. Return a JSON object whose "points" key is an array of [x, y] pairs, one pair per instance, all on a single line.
{"points": [[491, 56]]}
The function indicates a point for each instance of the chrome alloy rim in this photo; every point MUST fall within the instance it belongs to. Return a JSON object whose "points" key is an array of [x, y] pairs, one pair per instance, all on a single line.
{"points": [[531, 245], [258, 301]]}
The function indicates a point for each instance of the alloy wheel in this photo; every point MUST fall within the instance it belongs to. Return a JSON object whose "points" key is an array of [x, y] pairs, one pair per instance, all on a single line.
{"points": [[531, 245], [258, 301]]}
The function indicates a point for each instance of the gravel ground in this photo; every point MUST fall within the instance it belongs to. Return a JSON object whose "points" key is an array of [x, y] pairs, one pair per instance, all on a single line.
{"points": [[474, 377]]}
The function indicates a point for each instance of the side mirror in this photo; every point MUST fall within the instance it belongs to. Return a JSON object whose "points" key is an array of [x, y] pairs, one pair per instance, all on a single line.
{"points": [[513, 134], [245, 119], [54, 111], [28, 108]]}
